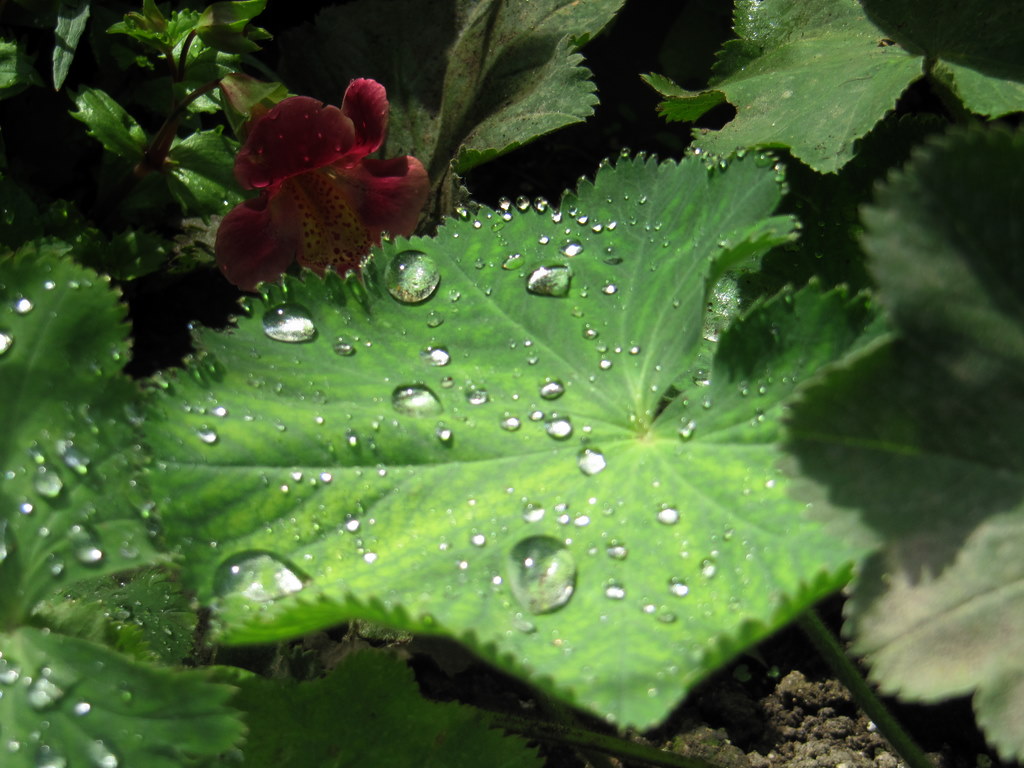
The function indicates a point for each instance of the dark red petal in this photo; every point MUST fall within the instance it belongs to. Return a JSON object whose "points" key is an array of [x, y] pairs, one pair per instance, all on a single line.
{"points": [[257, 241], [297, 135], [366, 105], [331, 232], [387, 194]]}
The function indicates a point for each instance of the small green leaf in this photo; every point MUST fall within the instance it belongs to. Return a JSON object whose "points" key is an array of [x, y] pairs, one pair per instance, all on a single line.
{"points": [[394, 726], [109, 124], [72, 16], [16, 70], [498, 435], [202, 177], [225, 26], [67, 700], [680, 104], [810, 75]]}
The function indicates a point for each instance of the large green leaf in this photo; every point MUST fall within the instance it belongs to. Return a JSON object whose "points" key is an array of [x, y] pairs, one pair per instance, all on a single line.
{"points": [[109, 123], [395, 726], [921, 442], [67, 701], [70, 491], [494, 462], [467, 81]]}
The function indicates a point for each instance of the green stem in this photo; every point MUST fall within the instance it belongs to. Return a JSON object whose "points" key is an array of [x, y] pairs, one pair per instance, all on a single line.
{"points": [[156, 153], [844, 669], [559, 733]]}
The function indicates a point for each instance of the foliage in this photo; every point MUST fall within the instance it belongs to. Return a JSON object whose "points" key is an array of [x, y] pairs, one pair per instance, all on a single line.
{"points": [[604, 445]]}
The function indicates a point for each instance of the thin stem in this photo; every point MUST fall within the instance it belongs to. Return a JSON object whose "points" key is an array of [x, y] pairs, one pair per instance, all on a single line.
{"points": [[544, 730], [183, 58], [156, 153], [830, 649]]}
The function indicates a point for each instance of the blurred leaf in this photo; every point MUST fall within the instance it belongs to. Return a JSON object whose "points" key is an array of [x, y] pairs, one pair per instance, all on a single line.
{"points": [[682, 105], [331, 727], [918, 445], [68, 700], [72, 16], [109, 124], [225, 26], [356, 456]]}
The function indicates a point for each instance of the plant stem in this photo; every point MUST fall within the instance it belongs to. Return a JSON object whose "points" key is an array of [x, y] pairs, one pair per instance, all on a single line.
{"points": [[559, 733], [844, 669]]}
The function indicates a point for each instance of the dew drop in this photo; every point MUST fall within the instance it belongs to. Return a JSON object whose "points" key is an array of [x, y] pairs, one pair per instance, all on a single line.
{"points": [[444, 435], [558, 427], [6, 342], [46, 757], [512, 261], [614, 591], [510, 423], [73, 458], [207, 435], [344, 348], [572, 248], [549, 281], [533, 513], [101, 756], [591, 462], [290, 323], [552, 389], [434, 320], [542, 574], [43, 693], [668, 516], [23, 306], [436, 356], [412, 277], [477, 396], [47, 482], [616, 550], [678, 587], [84, 545], [415, 400], [257, 576]]}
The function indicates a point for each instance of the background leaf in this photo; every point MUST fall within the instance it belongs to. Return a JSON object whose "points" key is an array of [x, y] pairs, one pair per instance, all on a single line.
{"points": [[919, 443], [811, 76], [57, 710], [202, 177], [396, 726], [347, 455], [508, 73], [16, 70], [977, 52], [72, 16]]}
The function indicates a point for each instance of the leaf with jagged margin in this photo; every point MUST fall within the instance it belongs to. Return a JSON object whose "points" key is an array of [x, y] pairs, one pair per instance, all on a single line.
{"points": [[67, 700], [919, 444], [332, 725], [976, 51], [810, 75], [71, 491], [392, 466]]}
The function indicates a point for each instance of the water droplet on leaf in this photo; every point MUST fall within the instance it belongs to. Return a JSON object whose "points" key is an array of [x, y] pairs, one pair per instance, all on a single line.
{"points": [[412, 277], [436, 356], [257, 576], [542, 574], [558, 427], [552, 389], [290, 323], [416, 400], [549, 281], [591, 462]]}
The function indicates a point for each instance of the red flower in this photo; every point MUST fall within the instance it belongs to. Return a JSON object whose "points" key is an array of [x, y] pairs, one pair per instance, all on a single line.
{"points": [[322, 202]]}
